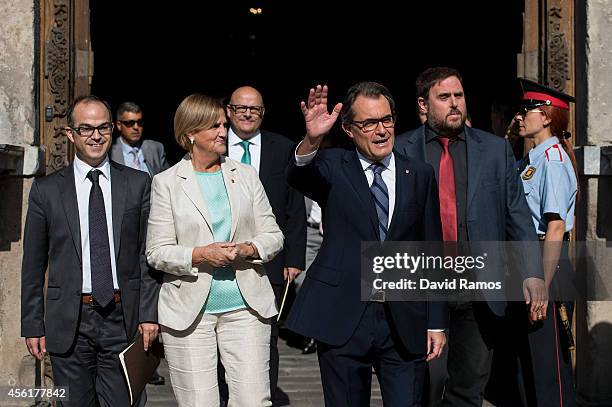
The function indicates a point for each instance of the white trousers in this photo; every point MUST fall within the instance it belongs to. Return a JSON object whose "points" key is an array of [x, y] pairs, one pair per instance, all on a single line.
{"points": [[243, 340]]}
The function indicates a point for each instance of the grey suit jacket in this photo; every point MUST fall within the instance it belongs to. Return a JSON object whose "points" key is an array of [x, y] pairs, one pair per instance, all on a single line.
{"points": [[153, 151], [52, 240]]}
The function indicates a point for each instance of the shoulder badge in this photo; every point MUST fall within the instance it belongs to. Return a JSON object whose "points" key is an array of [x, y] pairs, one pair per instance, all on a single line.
{"points": [[529, 173]]}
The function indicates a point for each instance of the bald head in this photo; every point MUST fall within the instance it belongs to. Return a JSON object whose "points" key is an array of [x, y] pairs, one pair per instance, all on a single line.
{"points": [[245, 111], [246, 93]]}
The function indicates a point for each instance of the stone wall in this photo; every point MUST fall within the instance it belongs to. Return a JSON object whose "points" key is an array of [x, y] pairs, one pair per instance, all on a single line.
{"points": [[17, 130], [594, 318]]}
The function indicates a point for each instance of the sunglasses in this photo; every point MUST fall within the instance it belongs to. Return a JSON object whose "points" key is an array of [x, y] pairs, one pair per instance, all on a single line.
{"points": [[131, 123]]}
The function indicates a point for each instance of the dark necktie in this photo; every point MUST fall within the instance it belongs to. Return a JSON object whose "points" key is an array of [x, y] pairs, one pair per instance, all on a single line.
{"points": [[381, 199], [448, 195], [246, 156], [99, 249]]}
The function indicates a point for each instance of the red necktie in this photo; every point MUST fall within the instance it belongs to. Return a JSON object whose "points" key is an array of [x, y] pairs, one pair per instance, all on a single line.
{"points": [[448, 196]]}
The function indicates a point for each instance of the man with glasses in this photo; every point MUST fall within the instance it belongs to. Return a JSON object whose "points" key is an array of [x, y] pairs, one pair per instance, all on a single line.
{"points": [[481, 199], [130, 149], [269, 153], [85, 235], [369, 194]]}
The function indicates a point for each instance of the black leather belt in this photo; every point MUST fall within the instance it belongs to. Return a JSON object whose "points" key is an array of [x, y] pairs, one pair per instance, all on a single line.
{"points": [[313, 225], [566, 237]]}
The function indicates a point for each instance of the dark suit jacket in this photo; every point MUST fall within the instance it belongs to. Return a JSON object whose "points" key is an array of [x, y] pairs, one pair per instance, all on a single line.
{"points": [[496, 206], [153, 151], [287, 204], [328, 307], [53, 238]]}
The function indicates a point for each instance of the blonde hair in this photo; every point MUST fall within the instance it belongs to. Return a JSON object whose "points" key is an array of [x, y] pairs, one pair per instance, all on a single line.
{"points": [[196, 112]]}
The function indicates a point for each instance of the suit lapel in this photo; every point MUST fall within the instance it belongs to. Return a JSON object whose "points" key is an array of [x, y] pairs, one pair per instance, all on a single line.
{"points": [[71, 206], [474, 158], [230, 178], [355, 174], [404, 184], [415, 144], [119, 194], [149, 157], [191, 188], [117, 152], [267, 157]]}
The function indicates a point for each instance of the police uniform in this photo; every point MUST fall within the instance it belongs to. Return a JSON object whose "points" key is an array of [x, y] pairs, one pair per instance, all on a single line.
{"points": [[550, 186]]}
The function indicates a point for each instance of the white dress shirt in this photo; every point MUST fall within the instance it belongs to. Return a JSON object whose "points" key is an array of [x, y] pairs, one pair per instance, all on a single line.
{"points": [[235, 150], [83, 186]]}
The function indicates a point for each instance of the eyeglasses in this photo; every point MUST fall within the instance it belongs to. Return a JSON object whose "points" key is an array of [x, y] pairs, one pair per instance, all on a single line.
{"points": [[131, 123], [258, 110], [105, 129], [369, 125]]}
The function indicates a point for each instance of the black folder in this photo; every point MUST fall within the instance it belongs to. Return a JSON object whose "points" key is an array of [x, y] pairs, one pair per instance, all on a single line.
{"points": [[139, 366]]}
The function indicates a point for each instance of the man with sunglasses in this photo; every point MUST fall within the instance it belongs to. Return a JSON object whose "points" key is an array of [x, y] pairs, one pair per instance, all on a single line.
{"points": [[269, 153], [130, 148], [85, 236]]}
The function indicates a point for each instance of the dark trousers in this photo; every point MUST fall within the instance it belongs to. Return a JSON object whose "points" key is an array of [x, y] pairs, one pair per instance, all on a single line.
{"points": [[91, 368], [471, 336], [533, 367], [346, 371]]}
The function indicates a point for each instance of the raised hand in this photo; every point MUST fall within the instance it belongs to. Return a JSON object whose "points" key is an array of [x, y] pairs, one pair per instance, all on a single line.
{"points": [[317, 118]]}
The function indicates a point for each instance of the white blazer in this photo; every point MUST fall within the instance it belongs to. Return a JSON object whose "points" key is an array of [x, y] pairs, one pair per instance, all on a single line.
{"points": [[179, 221]]}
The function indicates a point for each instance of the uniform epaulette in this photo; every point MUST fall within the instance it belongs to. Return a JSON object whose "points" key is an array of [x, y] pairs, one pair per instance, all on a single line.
{"points": [[553, 153]]}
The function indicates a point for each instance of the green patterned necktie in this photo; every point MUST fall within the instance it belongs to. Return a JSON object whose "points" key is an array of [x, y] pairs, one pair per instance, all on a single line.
{"points": [[246, 156]]}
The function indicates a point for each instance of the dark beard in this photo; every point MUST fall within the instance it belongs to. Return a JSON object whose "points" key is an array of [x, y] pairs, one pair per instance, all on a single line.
{"points": [[442, 129]]}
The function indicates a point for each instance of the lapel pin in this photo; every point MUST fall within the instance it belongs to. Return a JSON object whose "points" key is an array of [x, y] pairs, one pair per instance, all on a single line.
{"points": [[407, 171]]}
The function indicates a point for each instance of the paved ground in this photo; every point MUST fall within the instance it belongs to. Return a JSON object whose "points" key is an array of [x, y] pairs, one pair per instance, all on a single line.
{"points": [[299, 382]]}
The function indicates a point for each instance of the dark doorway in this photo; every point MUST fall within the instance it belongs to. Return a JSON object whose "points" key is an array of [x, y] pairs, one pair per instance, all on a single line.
{"points": [[157, 53]]}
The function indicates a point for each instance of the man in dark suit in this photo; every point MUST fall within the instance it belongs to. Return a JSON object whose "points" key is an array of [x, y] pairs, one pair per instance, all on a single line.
{"points": [[130, 148], [87, 223], [481, 199], [269, 153], [369, 193]]}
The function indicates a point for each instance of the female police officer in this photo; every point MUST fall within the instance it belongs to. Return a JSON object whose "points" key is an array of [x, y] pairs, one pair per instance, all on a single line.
{"points": [[549, 179]]}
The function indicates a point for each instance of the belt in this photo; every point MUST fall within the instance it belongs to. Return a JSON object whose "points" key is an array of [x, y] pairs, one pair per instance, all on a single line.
{"points": [[566, 237], [89, 299], [313, 225]]}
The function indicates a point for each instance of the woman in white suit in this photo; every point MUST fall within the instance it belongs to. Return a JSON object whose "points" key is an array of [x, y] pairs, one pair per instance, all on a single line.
{"points": [[210, 229]]}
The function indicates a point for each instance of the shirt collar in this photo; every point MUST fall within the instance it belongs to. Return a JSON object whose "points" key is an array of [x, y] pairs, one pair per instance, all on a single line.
{"points": [[126, 148], [388, 162], [542, 147], [234, 140], [430, 134], [81, 168]]}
